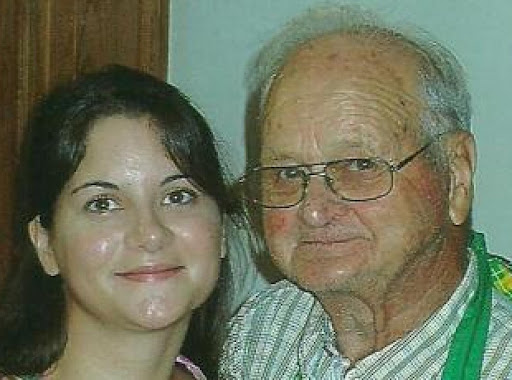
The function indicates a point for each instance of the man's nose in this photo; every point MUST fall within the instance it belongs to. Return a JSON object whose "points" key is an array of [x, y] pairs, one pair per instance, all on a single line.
{"points": [[148, 233], [320, 204]]}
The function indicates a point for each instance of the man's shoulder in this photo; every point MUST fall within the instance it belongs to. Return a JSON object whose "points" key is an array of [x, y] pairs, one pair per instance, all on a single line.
{"points": [[501, 274], [269, 331], [282, 294], [498, 353], [276, 305], [500, 329], [501, 308]]}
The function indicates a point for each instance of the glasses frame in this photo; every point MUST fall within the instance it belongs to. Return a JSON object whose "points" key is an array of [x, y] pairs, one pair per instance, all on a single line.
{"points": [[391, 166]]}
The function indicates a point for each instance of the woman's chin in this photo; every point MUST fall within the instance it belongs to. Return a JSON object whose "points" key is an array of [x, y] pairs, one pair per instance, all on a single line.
{"points": [[159, 312]]}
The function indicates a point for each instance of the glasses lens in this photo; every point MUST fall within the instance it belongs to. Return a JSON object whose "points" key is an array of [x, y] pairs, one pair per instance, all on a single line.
{"points": [[360, 179], [275, 187]]}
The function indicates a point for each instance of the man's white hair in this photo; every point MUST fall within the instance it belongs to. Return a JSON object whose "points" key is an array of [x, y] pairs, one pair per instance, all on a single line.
{"points": [[441, 77]]}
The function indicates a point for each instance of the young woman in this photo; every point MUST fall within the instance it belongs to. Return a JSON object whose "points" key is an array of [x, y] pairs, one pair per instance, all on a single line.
{"points": [[123, 208]]}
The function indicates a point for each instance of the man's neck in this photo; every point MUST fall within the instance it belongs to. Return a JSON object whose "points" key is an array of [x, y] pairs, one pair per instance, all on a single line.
{"points": [[365, 323]]}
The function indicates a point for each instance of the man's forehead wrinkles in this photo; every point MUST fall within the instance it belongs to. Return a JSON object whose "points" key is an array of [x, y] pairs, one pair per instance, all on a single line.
{"points": [[304, 91], [350, 118], [269, 151], [280, 146]]}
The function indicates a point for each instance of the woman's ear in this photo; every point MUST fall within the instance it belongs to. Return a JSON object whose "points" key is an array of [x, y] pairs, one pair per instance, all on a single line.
{"points": [[462, 162], [41, 242]]}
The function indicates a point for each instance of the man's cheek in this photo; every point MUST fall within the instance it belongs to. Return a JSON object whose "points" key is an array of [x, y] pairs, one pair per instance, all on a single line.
{"points": [[276, 224], [280, 239]]}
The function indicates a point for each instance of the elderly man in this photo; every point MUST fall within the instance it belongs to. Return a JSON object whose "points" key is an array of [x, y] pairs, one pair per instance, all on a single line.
{"points": [[363, 179]]}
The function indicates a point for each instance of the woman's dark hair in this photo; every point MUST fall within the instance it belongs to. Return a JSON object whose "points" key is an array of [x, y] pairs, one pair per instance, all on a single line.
{"points": [[33, 310]]}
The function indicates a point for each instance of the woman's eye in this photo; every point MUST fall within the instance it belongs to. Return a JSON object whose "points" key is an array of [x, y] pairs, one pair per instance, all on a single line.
{"points": [[179, 197], [102, 205]]}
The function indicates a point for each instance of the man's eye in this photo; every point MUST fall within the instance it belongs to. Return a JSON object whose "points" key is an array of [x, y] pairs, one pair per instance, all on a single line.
{"points": [[361, 164], [102, 205], [289, 173], [179, 197]]}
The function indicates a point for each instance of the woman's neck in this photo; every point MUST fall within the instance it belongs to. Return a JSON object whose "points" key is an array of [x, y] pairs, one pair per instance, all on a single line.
{"points": [[95, 350]]}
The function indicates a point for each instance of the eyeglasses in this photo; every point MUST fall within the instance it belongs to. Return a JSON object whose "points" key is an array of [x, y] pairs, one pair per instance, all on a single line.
{"points": [[351, 179]]}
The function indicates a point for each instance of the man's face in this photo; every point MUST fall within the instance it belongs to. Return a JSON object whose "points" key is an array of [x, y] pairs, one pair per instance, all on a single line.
{"points": [[344, 97]]}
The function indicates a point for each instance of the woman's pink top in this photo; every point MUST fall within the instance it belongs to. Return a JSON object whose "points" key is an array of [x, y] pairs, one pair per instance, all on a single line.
{"points": [[191, 367]]}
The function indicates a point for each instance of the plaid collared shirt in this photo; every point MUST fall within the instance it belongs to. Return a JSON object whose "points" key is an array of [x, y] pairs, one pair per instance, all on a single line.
{"points": [[283, 333]]}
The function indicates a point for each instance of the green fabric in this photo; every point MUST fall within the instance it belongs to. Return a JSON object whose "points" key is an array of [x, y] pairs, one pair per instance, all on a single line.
{"points": [[466, 351], [501, 274]]}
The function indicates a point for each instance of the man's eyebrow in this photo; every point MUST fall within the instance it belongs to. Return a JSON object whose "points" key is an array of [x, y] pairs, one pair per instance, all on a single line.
{"points": [[173, 177], [103, 184], [271, 154]]}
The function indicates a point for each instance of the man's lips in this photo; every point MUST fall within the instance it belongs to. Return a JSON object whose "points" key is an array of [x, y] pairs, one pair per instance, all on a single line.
{"points": [[150, 273], [330, 240], [335, 245]]}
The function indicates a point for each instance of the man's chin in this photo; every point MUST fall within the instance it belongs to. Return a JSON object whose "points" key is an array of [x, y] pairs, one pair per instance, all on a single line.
{"points": [[325, 282], [329, 273]]}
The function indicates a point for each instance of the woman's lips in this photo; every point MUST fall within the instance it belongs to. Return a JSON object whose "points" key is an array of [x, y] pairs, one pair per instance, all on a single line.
{"points": [[150, 273]]}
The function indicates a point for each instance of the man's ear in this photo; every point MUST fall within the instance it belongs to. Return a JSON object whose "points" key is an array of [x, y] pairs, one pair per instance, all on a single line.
{"points": [[41, 242], [462, 162]]}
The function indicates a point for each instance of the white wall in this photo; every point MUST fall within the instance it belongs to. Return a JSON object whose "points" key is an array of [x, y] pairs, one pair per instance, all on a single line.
{"points": [[212, 40]]}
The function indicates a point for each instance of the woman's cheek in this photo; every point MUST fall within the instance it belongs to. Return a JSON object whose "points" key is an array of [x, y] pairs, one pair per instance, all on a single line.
{"points": [[95, 249]]}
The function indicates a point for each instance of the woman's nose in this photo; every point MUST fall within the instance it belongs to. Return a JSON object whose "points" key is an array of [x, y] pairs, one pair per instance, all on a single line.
{"points": [[149, 233]]}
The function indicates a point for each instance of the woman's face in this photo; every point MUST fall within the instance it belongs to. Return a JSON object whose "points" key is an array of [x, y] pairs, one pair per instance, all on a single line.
{"points": [[136, 243]]}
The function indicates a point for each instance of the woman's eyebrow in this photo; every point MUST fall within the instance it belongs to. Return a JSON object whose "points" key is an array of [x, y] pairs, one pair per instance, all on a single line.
{"points": [[173, 177], [103, 184]]}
